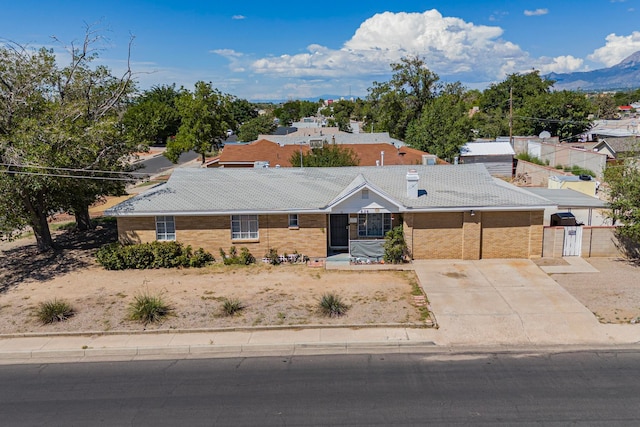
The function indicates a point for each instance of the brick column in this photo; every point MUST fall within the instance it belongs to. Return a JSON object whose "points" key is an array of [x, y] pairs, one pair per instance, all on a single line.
{"points": [[472, 236]]}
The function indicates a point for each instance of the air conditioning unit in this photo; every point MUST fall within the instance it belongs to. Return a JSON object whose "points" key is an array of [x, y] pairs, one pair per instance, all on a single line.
{"points": [[316, 143]]}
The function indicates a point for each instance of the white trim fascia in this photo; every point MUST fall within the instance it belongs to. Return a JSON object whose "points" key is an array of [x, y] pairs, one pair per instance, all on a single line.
{"points": [[480, 209], [214, 213]]}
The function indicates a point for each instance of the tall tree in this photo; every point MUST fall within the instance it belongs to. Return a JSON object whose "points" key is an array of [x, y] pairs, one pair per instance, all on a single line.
{"points": [[329, 155], [563, 113], [623, 181], [242, 111], [495, 103], [444, 125], [250, 130], [206, 116], [396, 103], [153, 117], [57, 122]]}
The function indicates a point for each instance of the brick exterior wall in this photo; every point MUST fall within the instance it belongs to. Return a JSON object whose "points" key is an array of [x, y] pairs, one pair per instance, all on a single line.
{"points": [[214, 232], [507, 235], [434, 235], [450, 235]]}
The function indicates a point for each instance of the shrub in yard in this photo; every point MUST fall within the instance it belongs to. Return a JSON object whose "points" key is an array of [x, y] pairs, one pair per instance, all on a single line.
{"points": [[148, 308], [231, 306], [55, 310], [332, 305], [151, 255], [395, 248], [201, 258], [273, 257], [245, 257]]}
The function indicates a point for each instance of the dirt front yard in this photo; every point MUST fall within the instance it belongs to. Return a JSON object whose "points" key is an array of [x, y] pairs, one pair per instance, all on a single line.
{"points": [[271, 295], [612, 294]]}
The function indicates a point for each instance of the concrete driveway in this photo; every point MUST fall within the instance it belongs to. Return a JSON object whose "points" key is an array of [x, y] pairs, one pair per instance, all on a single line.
{"points": [[505, 302]]}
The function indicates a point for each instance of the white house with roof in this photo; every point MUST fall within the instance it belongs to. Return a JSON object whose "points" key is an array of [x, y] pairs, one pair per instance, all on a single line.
{"points": [[447, 212]]}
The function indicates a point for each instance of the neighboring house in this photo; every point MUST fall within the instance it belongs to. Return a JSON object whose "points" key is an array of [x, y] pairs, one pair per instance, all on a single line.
{"points": [[587, 209], [264, 153], [447, 212], [585, 184], [496, 156], [616, 147], [336, 138]]}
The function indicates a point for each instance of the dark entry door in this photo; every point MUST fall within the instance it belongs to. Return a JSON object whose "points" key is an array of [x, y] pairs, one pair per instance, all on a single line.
{"points": [[339, 228]]}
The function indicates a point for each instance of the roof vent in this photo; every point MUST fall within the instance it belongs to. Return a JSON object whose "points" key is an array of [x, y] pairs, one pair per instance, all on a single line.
{"points": [[412, 184]]}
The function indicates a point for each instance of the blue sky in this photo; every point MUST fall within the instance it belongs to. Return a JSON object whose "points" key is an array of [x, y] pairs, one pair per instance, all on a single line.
{"points": [[285, 49]]}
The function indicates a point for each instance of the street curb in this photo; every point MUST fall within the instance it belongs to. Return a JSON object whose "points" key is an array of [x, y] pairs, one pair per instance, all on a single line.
{"points": [[215, 330], [210, 350]]}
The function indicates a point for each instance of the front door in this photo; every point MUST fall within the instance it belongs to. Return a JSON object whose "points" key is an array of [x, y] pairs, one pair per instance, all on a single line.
{"points": [[339, 231]]}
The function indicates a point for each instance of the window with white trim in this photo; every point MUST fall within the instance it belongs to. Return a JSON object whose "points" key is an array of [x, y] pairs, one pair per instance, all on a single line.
{"points": [[373, 224], [165, 228], [293, 221], [244, 227]]}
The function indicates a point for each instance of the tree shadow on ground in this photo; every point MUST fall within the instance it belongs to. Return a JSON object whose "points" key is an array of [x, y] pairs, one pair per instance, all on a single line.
{"points": [[75, 250]]}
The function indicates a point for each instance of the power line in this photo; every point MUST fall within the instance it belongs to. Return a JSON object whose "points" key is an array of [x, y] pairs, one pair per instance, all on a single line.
{"points": [[72, 169], [104, 178]]}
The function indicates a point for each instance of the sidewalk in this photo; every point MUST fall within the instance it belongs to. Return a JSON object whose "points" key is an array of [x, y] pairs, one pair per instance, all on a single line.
{"points": [[483, 305]]}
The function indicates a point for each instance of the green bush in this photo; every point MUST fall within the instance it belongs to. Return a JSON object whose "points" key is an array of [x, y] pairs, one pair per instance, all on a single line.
{"points": [[332, 305], [115, 256], [148, 308], [54, 311], [245, 257], [273, 257], [395, 248], [200, 258], [231, 306]]}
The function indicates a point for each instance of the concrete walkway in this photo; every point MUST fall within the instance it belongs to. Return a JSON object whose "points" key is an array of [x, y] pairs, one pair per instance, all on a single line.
{"points": [[482, 305]]}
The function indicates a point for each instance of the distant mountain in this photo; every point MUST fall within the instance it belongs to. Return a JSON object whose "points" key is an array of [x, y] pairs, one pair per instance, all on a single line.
{"points": [[625, 75]]}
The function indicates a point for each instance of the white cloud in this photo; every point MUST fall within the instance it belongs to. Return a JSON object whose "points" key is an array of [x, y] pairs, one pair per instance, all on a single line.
{"points": [[238, 17], [560, 64], [450, 46], [537, 12], [616, 49]]}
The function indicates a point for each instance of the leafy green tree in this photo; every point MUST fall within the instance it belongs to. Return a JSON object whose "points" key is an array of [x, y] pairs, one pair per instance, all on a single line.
{"points": [[444, 125], [623, 180], [493, 120], [57, 123], [329, 155], [206, 116], [153, 117], [604, 107], [261, 125], [394, 104], [242, 111], [292, 111], [339, 114], [563, 113]]}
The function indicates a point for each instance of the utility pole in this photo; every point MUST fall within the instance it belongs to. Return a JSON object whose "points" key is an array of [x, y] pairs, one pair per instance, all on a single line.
{"points": [[511, 116]]}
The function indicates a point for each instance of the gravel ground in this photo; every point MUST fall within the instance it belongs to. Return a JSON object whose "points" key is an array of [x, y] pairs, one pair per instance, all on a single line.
{"points": [[613, 294]]}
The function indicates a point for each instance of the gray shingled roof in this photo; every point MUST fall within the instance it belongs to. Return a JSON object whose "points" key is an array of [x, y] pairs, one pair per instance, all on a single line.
{"points": [[340, 138], [568, 198], [210, 191]]}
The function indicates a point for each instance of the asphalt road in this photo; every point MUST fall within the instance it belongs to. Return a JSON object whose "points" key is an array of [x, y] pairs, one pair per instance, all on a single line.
{"points": [[587, 388], [161, 163]]}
